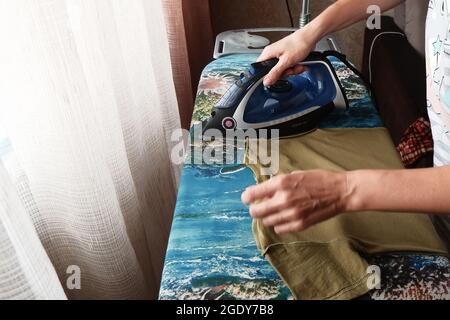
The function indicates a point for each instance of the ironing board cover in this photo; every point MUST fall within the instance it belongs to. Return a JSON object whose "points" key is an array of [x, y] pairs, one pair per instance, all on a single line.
{"points": [[212, 253]]}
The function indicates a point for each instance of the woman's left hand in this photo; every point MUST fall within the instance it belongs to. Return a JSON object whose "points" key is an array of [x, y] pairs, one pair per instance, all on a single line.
{"points": [[295, 202]]}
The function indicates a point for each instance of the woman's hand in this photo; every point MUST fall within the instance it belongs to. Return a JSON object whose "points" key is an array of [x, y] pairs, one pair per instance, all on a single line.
{"points": [[296, 47], [295, 202], [290, 51]]}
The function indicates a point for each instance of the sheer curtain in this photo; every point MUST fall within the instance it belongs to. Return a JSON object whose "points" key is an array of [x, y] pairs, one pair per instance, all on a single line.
{"points": [[87, 108]]}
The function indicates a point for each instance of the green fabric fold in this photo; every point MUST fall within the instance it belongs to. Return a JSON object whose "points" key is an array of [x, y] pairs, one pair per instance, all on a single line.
{"points": [[326, 261]]}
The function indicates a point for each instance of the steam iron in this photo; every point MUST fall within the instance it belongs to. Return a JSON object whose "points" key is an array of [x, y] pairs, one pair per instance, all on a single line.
{"points": [[294, 105]]}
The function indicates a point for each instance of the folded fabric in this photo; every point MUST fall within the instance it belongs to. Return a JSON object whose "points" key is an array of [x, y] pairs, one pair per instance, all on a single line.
{"points": [[325, 261], [416, 142]]}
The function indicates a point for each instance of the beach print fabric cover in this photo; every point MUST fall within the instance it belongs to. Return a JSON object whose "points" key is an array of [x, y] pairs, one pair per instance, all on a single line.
{"points": [[212, 253]]}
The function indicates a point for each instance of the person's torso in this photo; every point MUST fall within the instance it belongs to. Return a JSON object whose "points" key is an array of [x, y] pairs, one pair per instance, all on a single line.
{"points": [[438, 77], [437, 45]]}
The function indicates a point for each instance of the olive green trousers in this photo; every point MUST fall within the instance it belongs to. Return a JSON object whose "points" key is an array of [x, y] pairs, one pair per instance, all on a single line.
{"points": [[326, 261]]}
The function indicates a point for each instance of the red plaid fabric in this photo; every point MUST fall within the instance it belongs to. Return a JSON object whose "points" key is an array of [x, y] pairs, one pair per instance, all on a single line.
{"points": [[416, 142]]}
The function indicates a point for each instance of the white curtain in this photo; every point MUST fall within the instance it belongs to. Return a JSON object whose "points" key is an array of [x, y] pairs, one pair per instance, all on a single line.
{"points": [[87, 108]]}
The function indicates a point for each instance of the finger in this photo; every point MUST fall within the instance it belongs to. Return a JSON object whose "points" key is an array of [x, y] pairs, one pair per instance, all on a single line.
{"points": [[289, 72], [259, 192], [294, 71], [265, 189], [268, 53], [289, 227], [304, 223], [283, 217], [299, 69], [275, 73], [319, 216], [270, 206]]}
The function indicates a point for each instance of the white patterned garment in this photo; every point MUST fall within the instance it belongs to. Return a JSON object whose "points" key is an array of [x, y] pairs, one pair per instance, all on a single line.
{"points": [[438, 79]]}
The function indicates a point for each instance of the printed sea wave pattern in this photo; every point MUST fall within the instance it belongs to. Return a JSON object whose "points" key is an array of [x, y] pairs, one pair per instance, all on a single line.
{"points": [[212, 253]]}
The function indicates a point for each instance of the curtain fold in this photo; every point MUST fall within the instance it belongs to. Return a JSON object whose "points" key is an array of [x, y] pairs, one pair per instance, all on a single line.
{"points": [[191, 48], [27, 272], [88, 105]]}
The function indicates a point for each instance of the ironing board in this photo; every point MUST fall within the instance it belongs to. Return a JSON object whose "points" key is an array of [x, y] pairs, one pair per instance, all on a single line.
{"points": [[212, 253]]}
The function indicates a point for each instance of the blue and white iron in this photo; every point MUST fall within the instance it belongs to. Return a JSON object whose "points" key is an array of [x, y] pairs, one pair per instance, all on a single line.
{"points": [[294, 105]]}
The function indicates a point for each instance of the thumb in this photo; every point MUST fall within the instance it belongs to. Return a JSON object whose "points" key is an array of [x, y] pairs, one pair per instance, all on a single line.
{"points": [[276, 73]]}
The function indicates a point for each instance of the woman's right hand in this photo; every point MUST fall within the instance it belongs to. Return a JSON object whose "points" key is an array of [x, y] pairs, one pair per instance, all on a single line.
{"points": [[290, 51]]}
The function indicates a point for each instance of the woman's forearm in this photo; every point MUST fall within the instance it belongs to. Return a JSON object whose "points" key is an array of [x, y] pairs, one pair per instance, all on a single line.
{"points": [[421, 190], [296, 47], [342, 14]]}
